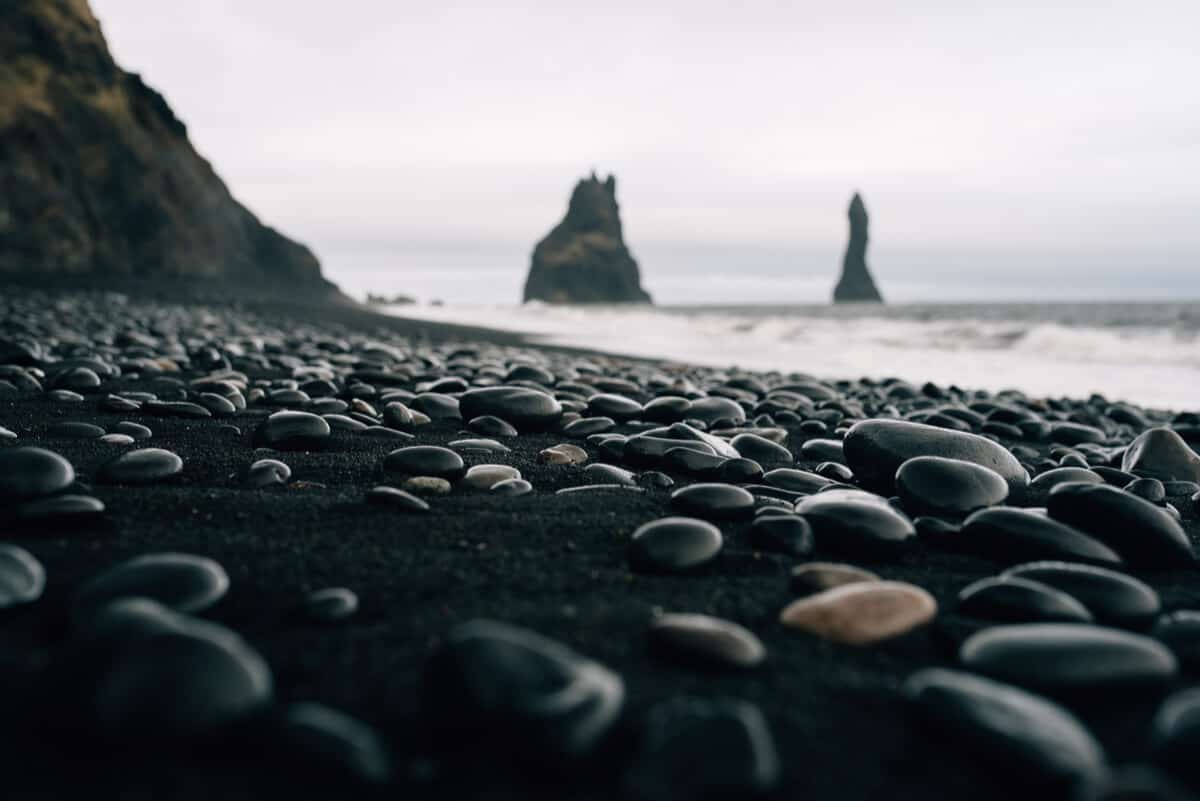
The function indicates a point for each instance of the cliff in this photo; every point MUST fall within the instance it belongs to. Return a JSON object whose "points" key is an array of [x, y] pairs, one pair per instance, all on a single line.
{"points": [[856, 284], [97, 177], [584, 259]]}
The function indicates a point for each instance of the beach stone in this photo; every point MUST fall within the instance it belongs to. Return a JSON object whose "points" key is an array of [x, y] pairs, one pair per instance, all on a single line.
{"points": [[180, 684], [618, 407], [1075, 433], [715, 409], [32, 472], [666, 409], [586, 426], [491, 426], [22, 577], [426, 485], [600, 473], [425, 460], [1069, 658], [267, 473], [673, 544], [7, 433], [683, 431], [1180, 631], [861, 613], [1175, 736], [674, 759], [735, 471], [117, 439], [703, 465], [1002, 726], [64, 396], [823, 450], [1163, 454], [438, 406], [71, 429], [1009, 535], [383, 432], [397, 499], [526, 409], [484, 476], [330, 604], [480, 446], [1114, 599], [856, 523], [328, 744], [655, 479], [875, 449], [135, 430], [707, 641], [1044, 482], [563, 454], [181, 582], [782, 533], [1148, 489], [796, 480], [143, 466], [1133, 527], [288, 430], [766, 453], [1013, 599], [713, 501], [950, 487], [512, 487], [815, 577], [496, 685], [61, 509]]}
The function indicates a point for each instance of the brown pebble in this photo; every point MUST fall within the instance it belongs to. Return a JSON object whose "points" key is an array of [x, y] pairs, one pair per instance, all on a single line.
{"points": [[563, 454]]}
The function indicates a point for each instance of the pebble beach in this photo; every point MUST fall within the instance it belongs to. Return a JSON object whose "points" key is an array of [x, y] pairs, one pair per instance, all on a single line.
{"points": [[255, 548]]}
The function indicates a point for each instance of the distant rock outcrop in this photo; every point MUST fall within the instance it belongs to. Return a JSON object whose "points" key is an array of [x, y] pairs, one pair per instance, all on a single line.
{"points": [[98, 178], [856, 284], [584, 259]]}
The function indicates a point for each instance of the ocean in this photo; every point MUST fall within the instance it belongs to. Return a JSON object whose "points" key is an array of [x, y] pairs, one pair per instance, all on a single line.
{"points": [[1144, 353]]}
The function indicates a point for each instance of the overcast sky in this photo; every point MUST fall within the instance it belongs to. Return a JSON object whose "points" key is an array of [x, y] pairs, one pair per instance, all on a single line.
{"points": [[1004, 150]]}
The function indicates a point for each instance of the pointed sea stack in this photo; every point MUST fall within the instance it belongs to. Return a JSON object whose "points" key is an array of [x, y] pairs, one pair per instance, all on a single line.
{"points": [[584, 259], [98, 181], [856, 284]]}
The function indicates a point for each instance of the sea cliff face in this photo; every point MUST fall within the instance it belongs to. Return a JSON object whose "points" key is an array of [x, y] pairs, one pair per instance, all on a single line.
{"points": [[584, 259], [856, 284], [98, 178]]}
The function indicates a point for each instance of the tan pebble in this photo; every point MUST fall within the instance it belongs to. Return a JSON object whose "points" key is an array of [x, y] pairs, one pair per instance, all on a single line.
{"points": [[563, 454], [427, 485], [820, 576], [861, 613], [362, 407], [485, 476], [420, 418]]}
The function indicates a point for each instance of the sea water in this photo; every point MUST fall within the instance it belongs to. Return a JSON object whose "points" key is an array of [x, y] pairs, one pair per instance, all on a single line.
{"points": [[1144, 353]]}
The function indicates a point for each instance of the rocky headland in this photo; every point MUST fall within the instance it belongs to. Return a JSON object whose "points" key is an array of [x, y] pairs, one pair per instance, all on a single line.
{"points": [[856, 284]]}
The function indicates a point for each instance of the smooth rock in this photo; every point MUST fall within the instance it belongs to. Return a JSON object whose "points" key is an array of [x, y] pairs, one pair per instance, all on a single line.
{"points": [[706, 640], [1011, 536], [673, 544], [182, 582], [1133, 527], [861, 613], [1011, 599], [426, 485], [782, 533], [330, 604], [713, 501], [491, 426], [32, 472], [425, 460], [856, 523], [950, 487], [1163, 454], [61, 509], [1044, 482], [267, 473], [618, 407], [796, 480], [1180, 631], [1114, 599], [328, 744], [289, 430], [761, 450], [526, 409], [397, 499], [71, 429], [600, 473], [143, 466], [22, 577], [563, 454], [485, 476], [511, 487]]}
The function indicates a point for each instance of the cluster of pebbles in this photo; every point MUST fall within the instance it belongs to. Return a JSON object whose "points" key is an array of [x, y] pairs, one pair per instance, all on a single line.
{"points": [[1079, 506]]}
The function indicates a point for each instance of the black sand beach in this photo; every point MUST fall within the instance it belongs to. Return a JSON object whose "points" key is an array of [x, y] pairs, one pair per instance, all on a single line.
{"points": [[556, 564]]}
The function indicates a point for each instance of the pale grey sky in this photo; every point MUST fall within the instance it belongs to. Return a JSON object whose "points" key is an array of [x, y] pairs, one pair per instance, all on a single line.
{"points": [[1014, 150]]}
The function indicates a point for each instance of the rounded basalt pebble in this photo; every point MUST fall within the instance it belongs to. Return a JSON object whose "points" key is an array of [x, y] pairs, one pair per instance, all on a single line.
{"points": [[713, 501], [655, 479], [705, 465], [766, 453], [1004, 727], [485, 476], [674, 758], [479, 446], [782, 533], [267, 473], [814, 577], [511, 487], [1163, 454], [715, 409], [1044, 482], [1136, 529], [856, 523], [1149, 489], [673, 544], [707, 641], [143, 466], [180, 684], [618, 407], [823, 450], [217, 405], [425, 460], [491, 426], [507, 688], [526, 409], [1114, 599], [1012, 599], [179, 581], [22, 577], [796, 480], [1180, 631], [7, 433], [426, 485], [1175, 736], [71, 429], [835, 472], [61, 509], [289, 430], [666, 409], [329, 745], [116, 439], [875, 449], [32, 472], [64, 396], [438, 406], [600, 473], [1011, 536], [861, 613], [330, 604], [135, 430], [1069, 658], [950, 487], [940, 533], [397, 499], [740, 471], [563, 454], [1075, 433]]}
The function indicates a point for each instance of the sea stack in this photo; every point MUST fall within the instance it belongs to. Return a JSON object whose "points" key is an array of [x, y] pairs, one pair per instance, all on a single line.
{"points": [[856, 284], [98, 181], [584, 259]]}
